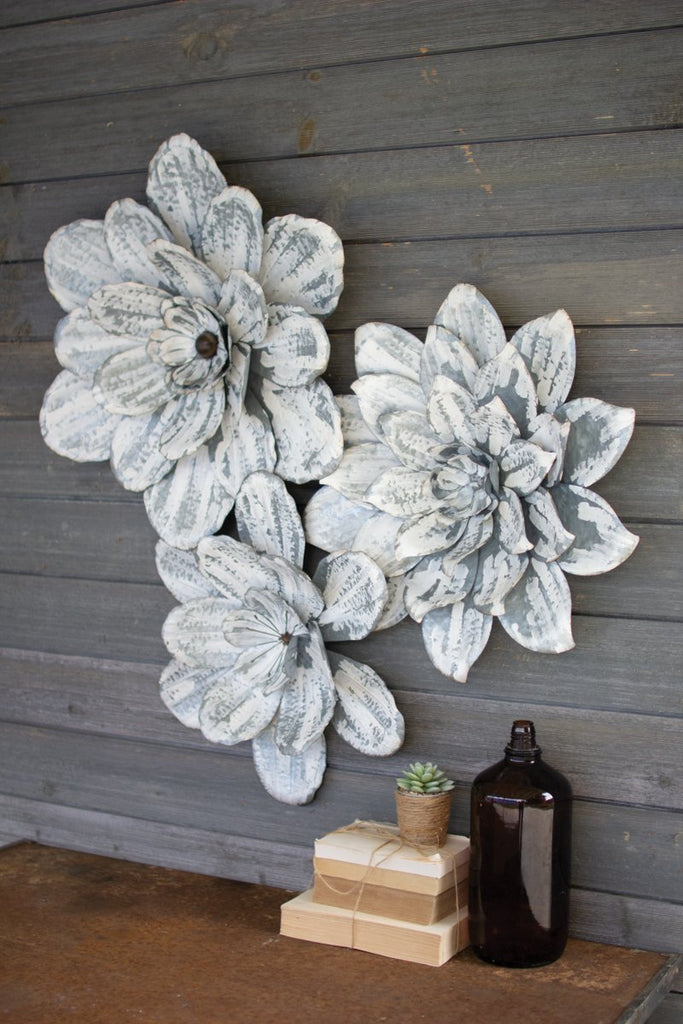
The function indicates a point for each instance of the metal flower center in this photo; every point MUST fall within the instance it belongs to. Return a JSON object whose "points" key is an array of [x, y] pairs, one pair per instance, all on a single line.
{"points": [[285, 638], [206, 345]]}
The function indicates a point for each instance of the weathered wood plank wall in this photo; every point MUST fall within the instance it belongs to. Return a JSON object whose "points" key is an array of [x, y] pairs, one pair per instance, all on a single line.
{"points": [[534, 150]]}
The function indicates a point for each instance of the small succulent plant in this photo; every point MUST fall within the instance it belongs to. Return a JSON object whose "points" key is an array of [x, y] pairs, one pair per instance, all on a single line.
{"points": [[424, 779]]}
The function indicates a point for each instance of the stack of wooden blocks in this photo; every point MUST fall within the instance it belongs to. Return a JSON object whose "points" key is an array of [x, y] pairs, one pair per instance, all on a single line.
{"points": [[376, 893]]}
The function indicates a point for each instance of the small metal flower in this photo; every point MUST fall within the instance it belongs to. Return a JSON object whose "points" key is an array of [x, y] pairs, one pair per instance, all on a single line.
{"points": [[192, 348], [466, 476], [248, 644]]}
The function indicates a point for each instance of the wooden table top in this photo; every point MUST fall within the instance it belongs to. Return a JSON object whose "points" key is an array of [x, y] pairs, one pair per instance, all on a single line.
{"points": [[103, 941]]}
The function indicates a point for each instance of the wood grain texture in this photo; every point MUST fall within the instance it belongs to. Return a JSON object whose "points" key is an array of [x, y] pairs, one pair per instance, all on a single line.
{"points": [[148, 842], [536, 155], [63, 538], [43, 686], [115, 542], [202, 792], [642, 923], [589, 183], [464, 730], [614, 664], [670, 1011], [122, 621], [603, 279], [29, 469], [638, 367], [24, 12], [199, 41], [571, 87]]}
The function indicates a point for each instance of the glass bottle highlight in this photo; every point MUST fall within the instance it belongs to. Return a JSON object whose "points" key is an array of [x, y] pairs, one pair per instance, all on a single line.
{"points": [[520, 839]]}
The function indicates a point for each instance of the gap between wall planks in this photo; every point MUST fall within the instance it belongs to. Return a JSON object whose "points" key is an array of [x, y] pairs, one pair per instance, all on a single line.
{"points": [[596, 211], [22, 13]]}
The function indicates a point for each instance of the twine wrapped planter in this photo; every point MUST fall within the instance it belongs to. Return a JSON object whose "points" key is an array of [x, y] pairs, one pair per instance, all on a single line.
{"points": [[423, 818]]}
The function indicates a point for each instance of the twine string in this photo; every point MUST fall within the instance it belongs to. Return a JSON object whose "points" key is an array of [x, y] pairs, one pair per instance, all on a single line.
{"points": [[387, 836]]}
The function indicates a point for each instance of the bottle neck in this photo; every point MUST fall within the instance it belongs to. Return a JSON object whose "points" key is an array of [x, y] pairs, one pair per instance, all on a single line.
{"points": [[522, 746]]}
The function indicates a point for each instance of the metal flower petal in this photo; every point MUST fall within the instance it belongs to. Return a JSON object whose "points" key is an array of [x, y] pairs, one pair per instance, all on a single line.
{"points": [[289, 778], [77, 262], [182, 181], [366, 715], [354, 592], [302, 263], [73, 423], [383, 348]]}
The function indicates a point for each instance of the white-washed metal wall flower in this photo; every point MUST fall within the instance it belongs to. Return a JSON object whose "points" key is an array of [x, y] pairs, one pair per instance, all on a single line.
{"points": [[466, 475], [192, 348], [248, 644]]}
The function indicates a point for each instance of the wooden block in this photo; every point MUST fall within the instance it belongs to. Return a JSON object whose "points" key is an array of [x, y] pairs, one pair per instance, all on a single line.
{"points": [[348, 854], [398, 904], [379, 875], [434, 944]]}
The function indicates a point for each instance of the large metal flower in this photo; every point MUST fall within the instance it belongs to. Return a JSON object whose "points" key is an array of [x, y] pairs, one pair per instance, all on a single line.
{"points": [[248, 644], [192, 349], [466, 476]]}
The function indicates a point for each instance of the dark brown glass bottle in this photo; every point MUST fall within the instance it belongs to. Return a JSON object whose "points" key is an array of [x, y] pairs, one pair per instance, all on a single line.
{"points": [[520, 835]]}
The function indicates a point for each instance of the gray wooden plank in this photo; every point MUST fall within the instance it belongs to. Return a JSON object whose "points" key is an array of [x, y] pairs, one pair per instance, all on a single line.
{"points": [[23, 12], [466, 732], [600, 279], [122, 621], [670, 1011], [9, 840], [572, 87], [29, 467], [116, 620], [647, 585], [626, 920], [616, 663], [200, 41], [603, 182], [655, 459], [104, 541], [217, 853], [250, 859], [632, 366], [645, 484], [114, 542], [121, 697], [208, 790]]}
